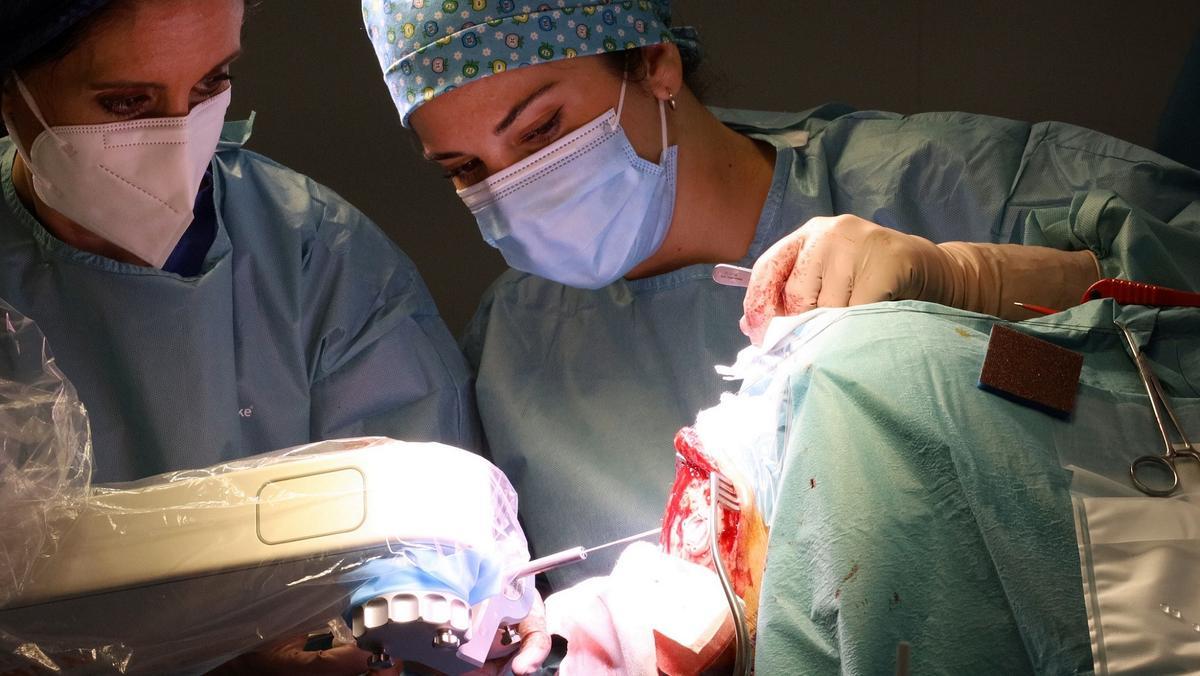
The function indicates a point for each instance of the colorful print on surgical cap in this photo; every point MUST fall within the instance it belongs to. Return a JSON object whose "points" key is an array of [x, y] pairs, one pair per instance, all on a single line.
{"points": [[429, 47]]}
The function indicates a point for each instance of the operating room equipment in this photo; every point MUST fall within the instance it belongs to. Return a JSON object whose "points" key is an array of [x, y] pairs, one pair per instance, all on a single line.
{"points": [[1129, 292], [731, 275], [724, 497], [1033, 307], [1173, 451], [631, 538], [410, 540], [572, 555]]}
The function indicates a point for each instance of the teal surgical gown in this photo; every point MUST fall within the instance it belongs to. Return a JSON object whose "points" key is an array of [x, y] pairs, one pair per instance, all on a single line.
{"points": [[913, 506], [581, 392], [305, 323]]}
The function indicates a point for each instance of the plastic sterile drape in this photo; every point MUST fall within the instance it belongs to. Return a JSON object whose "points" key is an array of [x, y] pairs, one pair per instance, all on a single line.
{"points": [[45, 457]]}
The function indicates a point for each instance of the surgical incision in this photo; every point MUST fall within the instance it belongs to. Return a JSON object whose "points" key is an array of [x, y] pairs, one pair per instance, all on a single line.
{"points": [[741, 534]]}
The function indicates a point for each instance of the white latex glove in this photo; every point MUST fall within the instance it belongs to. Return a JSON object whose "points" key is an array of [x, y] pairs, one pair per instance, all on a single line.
{"points": [[654, 612], [845, 260]]}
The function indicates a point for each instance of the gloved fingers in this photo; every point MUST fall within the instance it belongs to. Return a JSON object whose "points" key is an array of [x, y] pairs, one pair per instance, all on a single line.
{"points": [[878, 273], [765, 293], [535, 641], [748, 331], [896, 266], [580, 615], [873, 286], [535, 647], [838, 271], [807, 276]]}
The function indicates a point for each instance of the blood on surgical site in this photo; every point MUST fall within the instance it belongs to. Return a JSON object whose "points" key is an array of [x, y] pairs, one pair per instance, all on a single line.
{"points": [[685, 530]]}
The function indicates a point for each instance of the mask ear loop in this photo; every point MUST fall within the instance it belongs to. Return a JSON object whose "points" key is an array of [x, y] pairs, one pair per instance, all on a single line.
{"points": [[662, 114], [620, 104], [662, 119], [33, 107]]}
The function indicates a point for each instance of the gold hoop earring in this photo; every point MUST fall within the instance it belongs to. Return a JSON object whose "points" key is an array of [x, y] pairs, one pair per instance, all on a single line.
{"points": [[671, 100]]}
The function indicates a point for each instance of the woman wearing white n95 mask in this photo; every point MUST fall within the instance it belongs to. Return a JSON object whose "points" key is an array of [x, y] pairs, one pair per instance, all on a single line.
{"points": [[206, 302], [148, 170], [570, 130]]}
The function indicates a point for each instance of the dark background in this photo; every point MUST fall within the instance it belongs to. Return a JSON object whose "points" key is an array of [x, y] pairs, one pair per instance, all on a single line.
{"points": [[323, 110]]}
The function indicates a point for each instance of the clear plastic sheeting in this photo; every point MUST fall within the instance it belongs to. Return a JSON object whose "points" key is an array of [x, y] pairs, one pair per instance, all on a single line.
{"points": [[45, 453], [1141, 584], [750, 428], [181, 572]]}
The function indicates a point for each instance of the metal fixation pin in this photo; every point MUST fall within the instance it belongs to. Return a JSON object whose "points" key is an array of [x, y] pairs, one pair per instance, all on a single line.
{"points": [[378, 661], [446, 639]]}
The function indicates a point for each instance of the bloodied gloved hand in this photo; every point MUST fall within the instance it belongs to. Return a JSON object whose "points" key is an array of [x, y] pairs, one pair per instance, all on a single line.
{"points": [[845, 260]]}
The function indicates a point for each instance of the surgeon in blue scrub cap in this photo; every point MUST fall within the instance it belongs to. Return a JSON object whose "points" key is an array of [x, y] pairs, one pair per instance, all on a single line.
{"points": [[206, 302], [570, 130]]}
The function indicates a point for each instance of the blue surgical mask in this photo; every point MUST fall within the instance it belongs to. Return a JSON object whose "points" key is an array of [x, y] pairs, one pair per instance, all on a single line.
{"points": [[583, 211]]}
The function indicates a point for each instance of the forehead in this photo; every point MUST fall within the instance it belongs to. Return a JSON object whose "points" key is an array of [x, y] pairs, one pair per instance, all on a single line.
{"points": [[485, 102], [155, 39]]}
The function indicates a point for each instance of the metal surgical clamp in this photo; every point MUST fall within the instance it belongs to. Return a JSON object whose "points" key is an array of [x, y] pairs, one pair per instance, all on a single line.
{"points": [[1172, 450], [725, 497]]}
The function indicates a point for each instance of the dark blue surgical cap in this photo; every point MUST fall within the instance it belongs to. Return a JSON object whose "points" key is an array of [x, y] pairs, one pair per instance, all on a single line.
{"points": [[26, 26]]}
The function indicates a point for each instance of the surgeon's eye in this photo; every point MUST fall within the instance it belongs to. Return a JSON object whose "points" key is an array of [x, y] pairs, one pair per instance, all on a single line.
{"points": [[125, 106], [464, 171], [545, 131], [213, 85]]}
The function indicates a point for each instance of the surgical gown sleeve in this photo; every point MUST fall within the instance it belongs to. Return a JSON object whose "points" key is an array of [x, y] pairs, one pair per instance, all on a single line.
{"points": [[383, 361], [1128, 241]]}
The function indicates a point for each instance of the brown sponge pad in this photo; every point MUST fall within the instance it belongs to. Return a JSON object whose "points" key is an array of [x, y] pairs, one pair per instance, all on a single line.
{"points": [[1031, 371]]}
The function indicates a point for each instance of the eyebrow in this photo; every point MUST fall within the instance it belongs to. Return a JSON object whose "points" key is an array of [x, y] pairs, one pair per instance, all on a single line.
{"points": [[132, 84], [500, 128], [519, 108]]}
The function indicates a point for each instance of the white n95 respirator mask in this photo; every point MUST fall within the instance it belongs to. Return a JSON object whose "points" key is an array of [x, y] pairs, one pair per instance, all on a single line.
{"points": [[583, 211], [133, 183]]}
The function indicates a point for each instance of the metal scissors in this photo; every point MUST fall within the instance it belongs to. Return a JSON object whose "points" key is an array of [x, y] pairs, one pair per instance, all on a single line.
{"points": [[1173, 451]]}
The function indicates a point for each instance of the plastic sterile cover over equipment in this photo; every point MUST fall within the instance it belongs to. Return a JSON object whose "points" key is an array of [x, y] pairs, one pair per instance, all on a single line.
{"points": [[45, 457], [181, 572]]}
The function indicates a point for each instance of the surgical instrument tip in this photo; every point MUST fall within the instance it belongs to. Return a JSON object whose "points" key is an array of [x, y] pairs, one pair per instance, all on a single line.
{"points": [[572, 555], [1041, 309], [631, 538], [731, 275], [550, 562]]}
